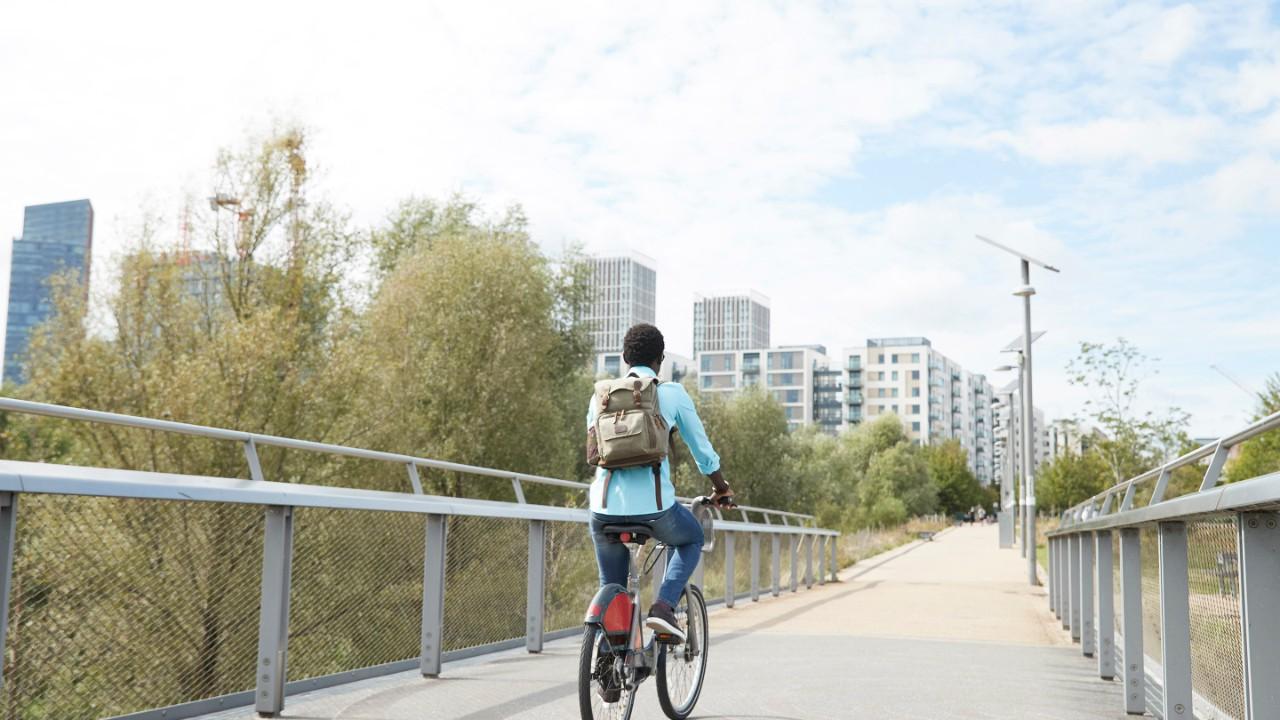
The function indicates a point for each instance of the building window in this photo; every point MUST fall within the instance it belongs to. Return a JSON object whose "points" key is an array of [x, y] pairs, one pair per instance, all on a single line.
{"points": [[915, 374], [880, 392], [915, 357], [894, 392], [915, 426], [894, 358], [894, 375], [779, 379], [915, 409], [880, 358], [915, 392]]}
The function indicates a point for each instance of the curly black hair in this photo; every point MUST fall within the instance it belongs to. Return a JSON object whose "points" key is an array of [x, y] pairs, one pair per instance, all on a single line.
{"points": [[643, 345]]}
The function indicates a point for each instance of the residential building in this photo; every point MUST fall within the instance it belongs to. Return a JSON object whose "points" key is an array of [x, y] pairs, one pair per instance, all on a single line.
{"points": [[1008, 431], [1064, 436], [623, 293], [736, 321], [799, 377], [675, 367], [56, 237], [936, 398]]}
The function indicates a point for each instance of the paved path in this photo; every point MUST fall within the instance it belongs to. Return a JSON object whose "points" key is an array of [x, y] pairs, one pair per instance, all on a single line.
{"points": [[937, 630]]}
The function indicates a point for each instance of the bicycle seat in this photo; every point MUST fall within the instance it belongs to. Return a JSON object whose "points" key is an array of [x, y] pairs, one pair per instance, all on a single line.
{"points": [[638, 534]]}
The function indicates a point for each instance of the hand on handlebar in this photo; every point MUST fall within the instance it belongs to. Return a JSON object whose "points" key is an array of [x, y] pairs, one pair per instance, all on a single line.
{"points": [[723, 500]]}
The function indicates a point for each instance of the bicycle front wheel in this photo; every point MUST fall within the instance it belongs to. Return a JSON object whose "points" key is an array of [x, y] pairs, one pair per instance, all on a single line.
{"points": [[602, 680], [682, 667]]}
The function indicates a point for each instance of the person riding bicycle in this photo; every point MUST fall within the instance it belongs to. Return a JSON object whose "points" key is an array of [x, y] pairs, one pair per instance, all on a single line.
{"points": [[627, 495]]}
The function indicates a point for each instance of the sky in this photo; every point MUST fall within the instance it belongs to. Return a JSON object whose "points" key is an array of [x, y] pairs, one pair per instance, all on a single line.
{"points": [[837, 157]]}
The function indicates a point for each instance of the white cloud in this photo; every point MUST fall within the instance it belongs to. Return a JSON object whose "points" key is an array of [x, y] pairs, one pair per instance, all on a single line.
{"points": [[722, 139], [1144, 141]]}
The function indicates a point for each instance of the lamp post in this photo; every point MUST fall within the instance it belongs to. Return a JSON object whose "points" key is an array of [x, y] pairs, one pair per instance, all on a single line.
{"points": [[1025, 291], [1009, 475]]}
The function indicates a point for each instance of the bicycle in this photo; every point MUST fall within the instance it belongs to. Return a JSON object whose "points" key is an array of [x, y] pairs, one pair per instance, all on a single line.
{"points": [[615, 659]]}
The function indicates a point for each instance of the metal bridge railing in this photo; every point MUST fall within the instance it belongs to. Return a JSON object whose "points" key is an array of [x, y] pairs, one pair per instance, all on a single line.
{"points": [[140, 594], [1178, 596]]}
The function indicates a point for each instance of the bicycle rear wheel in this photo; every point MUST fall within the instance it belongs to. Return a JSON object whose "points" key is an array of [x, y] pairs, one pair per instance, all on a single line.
{"points": [[683, 667], [602, 682]]}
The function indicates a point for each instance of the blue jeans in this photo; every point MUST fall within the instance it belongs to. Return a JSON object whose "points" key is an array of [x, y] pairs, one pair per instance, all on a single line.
{"points": [[674, 526]]}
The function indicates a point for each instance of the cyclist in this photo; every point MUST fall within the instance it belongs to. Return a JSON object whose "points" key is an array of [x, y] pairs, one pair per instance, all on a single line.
{"points": [[632, 499]]}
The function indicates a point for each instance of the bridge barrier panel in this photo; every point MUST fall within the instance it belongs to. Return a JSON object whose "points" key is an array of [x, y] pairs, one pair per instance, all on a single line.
{"points": [[1179, 583], [149, 595]]}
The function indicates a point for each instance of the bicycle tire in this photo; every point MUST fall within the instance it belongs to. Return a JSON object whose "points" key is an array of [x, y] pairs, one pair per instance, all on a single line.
{"points": [[696, 630], [590, 705]]}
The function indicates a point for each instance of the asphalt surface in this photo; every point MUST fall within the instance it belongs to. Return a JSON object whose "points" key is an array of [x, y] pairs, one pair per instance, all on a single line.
{"points": [[937, 630]]}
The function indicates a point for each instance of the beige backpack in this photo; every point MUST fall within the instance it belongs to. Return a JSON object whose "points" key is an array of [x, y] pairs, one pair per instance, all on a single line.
{"points": [[629, 430]]}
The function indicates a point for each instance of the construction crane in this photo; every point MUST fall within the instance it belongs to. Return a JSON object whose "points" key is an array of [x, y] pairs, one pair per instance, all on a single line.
{"points": [[1234, 381]]}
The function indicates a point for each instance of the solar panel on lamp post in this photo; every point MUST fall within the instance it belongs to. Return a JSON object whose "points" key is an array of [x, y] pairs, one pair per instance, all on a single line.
{"points": [[1025, 291]]}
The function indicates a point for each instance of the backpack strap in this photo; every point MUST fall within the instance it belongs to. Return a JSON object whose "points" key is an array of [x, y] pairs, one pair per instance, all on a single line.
{"points": [[604, 492], [657, 485]]}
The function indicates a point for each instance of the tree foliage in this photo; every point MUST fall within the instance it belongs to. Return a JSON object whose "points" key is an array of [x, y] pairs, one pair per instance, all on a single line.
{"points": [[958, 488], [1136, 440], [1261, 455], [1071, 478]]}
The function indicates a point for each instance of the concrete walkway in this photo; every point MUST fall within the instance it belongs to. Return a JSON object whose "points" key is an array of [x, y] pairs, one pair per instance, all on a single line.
{"points": [[933, 630]]}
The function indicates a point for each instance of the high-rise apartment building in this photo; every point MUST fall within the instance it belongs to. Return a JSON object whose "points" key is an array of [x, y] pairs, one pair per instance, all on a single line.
{"points": [[934, 396], [623, 293], [736, 321], [55, 237], [798, 377], [1008, 433]]}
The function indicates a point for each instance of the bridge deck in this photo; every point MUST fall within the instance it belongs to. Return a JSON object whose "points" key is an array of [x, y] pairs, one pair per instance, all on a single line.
{"points": [[936, 630]]}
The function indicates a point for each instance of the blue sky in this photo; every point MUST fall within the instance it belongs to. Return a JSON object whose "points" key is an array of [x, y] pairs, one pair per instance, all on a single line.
{"points": [[838, 157]]}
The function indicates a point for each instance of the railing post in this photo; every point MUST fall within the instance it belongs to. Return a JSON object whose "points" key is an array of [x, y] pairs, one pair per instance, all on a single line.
{"points": [[433, 565], [775, 567], [755, 567], [8, 538], [822, 559], [808, 561], [795, 562], [1106, 607], [535, 602], [1073, 592], [835, 567], [273, 617], [1259, 563], [1053, 575], [1175, 621], [730, 587], [1086, 594], [1135, 677]]}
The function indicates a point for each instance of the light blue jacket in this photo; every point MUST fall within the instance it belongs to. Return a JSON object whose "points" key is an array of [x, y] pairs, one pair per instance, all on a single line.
{"points": [[631, 489]]}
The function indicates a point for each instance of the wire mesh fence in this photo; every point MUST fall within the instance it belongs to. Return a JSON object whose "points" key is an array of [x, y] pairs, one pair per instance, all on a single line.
{"points": [[119, 605], [486, 570], [1217, 667], [1151, 644], [356, 596], [571, 575]]}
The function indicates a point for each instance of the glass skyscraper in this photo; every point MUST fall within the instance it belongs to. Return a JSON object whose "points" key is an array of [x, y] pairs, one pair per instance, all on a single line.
{"points": [[55, 237]]}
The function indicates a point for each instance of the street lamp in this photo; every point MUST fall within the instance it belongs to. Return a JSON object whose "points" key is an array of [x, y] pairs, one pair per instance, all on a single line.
{"points": [[1008, 510], [1025, 291]]}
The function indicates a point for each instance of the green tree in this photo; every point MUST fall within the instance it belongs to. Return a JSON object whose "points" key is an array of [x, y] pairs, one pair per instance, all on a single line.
{"points": [[1135, 440], [958, 488], [462, 354], [1261, 455], [903, 471], [1070, 479]]}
